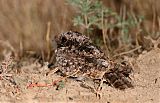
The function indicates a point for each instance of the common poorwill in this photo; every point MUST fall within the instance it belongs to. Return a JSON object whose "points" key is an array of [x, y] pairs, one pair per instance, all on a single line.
{"points": [[76, 52]]}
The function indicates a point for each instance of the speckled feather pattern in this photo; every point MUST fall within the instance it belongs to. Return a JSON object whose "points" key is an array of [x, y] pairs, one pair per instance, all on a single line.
{"points": [[76, 52]]}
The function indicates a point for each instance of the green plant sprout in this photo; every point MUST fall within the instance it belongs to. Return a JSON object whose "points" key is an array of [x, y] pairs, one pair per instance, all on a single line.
{"points": [[93, 13], [88, 13]]}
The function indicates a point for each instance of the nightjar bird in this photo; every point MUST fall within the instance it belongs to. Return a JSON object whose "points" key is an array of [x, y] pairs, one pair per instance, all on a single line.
{"points": [[76, 54]]}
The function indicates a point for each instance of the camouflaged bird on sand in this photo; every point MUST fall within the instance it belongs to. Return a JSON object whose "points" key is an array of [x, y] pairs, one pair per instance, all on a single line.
{"points": [[76, 54]]}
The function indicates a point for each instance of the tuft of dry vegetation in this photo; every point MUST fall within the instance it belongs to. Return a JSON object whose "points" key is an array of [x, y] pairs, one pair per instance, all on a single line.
{"points": [[24, 23]]}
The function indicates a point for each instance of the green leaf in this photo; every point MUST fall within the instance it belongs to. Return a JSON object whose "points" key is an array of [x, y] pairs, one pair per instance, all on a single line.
{"points": [[85, 7], [93, 20], [96, 6], [74, 2], [60, 85], [78, 21]]}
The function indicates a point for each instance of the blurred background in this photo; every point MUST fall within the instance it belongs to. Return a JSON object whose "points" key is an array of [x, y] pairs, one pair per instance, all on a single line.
{"points": [[115, 25]]}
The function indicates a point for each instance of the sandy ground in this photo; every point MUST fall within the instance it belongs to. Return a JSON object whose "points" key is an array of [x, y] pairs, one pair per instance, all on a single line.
{"points": [[146, 78]]}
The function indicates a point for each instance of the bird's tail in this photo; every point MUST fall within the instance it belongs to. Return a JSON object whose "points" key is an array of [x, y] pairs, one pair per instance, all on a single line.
{"points": [[118, 76]]}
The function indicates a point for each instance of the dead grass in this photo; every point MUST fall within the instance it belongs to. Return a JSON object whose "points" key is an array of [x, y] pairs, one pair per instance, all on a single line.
{"points": [[24, 23]]}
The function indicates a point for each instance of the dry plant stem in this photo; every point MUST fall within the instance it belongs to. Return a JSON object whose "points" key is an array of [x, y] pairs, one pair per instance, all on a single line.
{"points": [[127, 52], [124, 13], [45, 85], [52, 71], [42, 53], [154, 19], [21, 47], [48, 39], [86, 21], [104, 33], [7, 44], [86, 24], [120, 31], [53, 82], [159, 23], [138, 26], [105, 44]]}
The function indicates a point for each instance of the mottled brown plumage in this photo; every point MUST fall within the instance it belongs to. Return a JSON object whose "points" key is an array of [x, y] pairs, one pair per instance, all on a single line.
{"points": [[76, 53]]}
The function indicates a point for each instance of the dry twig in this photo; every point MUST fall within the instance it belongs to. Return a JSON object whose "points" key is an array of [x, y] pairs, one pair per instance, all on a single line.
{"points": [[127, 52]]}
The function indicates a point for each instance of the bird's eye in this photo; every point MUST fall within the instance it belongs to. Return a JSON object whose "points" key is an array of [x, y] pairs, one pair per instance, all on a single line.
{"points": [[64, 39]]}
